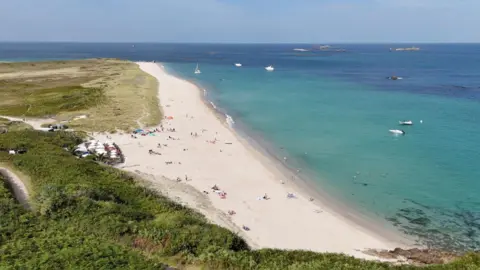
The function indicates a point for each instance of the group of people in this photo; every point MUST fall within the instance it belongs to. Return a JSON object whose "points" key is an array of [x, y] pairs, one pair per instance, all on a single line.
{"points": [[171, 162], [186, 178], [151, 152]]}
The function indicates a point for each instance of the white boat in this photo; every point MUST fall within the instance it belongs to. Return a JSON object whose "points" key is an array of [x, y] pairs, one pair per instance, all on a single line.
{"points": [[238, 64], [197, 70], [397, 131], [300, 50], [406, 123], [269, 68]]}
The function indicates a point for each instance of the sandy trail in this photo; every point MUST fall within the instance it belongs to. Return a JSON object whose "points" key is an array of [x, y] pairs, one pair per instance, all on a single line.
{"points": [[28, 74], [36, 123], [19, 190], [217, 156]]}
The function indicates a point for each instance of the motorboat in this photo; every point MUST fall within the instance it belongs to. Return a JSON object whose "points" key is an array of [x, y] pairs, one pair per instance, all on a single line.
{"points": [[197, 70], [300, 50], [238, 64], [269, 68], [405, 123], [397, 131], [394, 78]]}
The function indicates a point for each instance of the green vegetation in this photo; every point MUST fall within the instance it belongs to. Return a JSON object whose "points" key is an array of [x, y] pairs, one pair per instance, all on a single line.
{"points": [[102, 89], [10, 126], [89, 216]]}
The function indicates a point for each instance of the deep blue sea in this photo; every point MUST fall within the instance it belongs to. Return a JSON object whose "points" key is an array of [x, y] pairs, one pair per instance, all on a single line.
{"points": [[330, 113]]}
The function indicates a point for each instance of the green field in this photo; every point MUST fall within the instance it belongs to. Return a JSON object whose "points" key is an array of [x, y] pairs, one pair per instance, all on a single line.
{"points": [[89, 216], [113, 94]]}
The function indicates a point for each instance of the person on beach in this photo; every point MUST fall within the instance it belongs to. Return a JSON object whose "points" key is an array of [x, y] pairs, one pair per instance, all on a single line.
{"points": [[265, 197]]}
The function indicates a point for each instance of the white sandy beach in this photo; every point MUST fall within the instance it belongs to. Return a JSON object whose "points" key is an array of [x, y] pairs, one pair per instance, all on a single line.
{"points": [[238, 170]]}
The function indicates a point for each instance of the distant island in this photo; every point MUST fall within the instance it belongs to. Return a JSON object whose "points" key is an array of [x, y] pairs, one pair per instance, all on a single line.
{"points": [[324, 48], [405, 49]]}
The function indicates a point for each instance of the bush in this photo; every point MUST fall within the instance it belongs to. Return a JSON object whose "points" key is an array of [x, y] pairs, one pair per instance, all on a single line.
{"points": [[87, 215]]}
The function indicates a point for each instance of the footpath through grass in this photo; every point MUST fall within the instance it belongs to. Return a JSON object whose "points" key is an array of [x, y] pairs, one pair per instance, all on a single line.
{"points": [[89, 216], [113, 94], [10, 126]]}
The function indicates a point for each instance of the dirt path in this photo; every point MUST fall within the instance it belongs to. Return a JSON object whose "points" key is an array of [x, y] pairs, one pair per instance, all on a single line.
{"points": [[36, 123], [144, 114], [19, 190], [42, 73]]}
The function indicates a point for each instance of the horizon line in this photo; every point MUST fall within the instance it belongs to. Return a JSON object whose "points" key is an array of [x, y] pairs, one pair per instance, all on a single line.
{"points": [[237, 43]]}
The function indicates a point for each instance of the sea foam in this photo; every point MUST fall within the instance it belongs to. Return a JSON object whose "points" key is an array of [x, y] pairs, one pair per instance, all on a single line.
{"points": [[229, 120]]}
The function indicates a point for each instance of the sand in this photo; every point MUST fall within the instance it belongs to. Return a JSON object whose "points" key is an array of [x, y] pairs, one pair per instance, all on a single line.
{"points": [[36, 123], [243, 173]]}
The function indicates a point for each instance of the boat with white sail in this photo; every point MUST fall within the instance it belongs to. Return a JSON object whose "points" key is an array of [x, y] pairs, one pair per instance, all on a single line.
{"points": [[197, 70]]}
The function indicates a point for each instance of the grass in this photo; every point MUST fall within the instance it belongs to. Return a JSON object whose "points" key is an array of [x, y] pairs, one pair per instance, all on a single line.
{"points": [[11, 126], [114, 94], [89, 216]]}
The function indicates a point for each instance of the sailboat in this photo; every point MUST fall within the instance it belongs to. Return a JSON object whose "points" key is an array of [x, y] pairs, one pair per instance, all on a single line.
{"points": [[269, 68], [197, 70]]}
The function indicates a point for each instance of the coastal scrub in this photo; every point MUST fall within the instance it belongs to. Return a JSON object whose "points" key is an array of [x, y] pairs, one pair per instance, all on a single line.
{"points": [[89, 216]]}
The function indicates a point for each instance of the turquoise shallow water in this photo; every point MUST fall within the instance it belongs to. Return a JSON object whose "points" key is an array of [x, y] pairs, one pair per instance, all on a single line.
{"points": [[330, 113], [425, 183]]}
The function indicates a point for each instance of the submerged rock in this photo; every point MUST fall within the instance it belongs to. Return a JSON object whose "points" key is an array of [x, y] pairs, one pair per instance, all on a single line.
{"points": [[417, 256]]}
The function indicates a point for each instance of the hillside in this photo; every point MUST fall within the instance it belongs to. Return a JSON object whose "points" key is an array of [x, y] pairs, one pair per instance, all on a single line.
{"points": [[89, 216]]}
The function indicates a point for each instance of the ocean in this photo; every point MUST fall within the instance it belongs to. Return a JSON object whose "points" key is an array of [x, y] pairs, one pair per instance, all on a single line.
{"points": [[330, 113]]}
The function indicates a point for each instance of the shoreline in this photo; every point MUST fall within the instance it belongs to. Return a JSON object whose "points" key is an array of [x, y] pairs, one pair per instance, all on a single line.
{"points": [[302, 182], [244, 173]]}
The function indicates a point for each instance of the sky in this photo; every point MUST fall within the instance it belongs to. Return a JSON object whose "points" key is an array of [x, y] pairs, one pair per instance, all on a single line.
{"points": [[241, 21]]}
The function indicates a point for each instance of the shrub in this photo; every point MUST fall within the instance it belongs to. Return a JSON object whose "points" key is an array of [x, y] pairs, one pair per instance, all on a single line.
{"points": [[90, 216]]}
